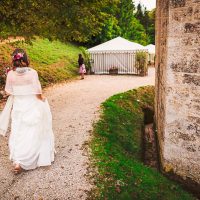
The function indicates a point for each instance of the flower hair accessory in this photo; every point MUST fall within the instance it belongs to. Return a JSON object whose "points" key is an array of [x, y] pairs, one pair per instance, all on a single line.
{"points": [[18, 56]]}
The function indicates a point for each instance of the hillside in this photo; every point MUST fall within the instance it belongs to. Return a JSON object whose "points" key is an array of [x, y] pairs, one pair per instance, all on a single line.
{"points": [[54, 61]]}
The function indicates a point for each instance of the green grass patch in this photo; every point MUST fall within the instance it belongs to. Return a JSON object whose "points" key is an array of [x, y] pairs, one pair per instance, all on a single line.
{"points": [[55, 61], [116, 152], [45, 52]]}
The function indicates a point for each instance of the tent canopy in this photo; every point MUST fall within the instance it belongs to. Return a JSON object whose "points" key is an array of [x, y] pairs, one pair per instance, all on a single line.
{"points": [[151, 48], [117, 44]]}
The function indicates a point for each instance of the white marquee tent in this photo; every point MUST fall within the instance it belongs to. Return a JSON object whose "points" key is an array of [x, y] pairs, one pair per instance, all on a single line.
{"points": [[152, 52], [117, 53]]}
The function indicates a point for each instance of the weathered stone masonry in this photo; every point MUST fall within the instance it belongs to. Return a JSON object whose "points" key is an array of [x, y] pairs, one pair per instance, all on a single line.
{"points": [[178, 86]]}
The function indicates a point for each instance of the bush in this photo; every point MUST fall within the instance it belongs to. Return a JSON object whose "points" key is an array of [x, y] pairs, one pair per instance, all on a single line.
{"points": [[142, 63]]}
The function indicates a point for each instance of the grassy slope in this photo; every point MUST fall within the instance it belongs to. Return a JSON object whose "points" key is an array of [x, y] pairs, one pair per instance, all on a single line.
{"points": [[116, 152], [54, 61]]}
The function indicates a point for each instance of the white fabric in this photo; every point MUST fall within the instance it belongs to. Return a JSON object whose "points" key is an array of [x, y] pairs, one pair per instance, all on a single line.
{"points": [[117, 44], [31, 141], [151, 48], [5, 116], [23, 83]]}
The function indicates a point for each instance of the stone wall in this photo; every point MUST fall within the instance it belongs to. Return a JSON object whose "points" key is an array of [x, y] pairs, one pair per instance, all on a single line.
{"points": [[178, 86]]}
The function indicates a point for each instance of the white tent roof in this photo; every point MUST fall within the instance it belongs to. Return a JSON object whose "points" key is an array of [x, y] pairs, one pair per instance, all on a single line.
{"points": [[151, 48], [118, 44]]}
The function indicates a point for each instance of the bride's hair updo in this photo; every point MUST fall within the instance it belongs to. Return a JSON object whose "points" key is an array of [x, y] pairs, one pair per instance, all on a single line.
{"points": [[20, 58]]}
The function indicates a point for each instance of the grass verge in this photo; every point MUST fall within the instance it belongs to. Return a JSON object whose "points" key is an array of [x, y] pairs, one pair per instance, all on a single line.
{"points": [[116, 153]]}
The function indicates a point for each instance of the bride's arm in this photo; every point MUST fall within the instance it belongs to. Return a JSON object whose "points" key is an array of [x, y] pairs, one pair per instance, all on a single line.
{"points": [[37, 86]]}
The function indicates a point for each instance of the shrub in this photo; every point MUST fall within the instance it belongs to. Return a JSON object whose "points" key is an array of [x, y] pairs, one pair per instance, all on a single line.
{"points": [[142, 63]]}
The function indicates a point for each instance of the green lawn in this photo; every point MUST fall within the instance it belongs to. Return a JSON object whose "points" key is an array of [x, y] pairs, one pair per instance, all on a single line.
{"points": [[54, 61], [44, 52], [116, 152]]}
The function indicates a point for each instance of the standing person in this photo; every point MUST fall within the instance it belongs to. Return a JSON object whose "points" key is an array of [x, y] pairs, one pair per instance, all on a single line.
{"points": [[31, 142], [82, 69]]}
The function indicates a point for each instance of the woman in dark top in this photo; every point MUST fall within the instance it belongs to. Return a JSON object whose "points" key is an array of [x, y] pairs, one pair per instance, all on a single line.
{"points": [[82, 69]]}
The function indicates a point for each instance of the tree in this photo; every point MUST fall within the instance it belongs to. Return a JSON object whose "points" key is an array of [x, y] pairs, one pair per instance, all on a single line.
{"points": [[81, 21], [121, 22], [131, 28], [151, 26], [109, 31], [138, 33], [68, 20], [139, 13], [110, 28], [147, 19], [126, 17], [23, 17]]}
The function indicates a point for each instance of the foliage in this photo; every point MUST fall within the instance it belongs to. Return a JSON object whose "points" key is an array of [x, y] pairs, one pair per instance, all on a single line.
{"points": [[130, 27], [141, 62], [5, 54], [54, 61], [151, 26], [83, 21], [74, 20], [2, 78], [125, 20], [109, 31], [25, 18], [110, 27], [147, 19], [116, 152]]}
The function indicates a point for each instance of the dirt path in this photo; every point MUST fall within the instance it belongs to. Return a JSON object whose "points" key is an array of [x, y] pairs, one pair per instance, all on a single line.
{"points": [[74, 106]]}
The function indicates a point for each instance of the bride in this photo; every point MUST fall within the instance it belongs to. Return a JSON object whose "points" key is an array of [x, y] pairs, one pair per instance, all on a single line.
{"points": [[31, 141]]}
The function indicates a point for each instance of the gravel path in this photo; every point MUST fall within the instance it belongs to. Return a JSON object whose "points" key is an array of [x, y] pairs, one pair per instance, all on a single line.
{"points": [[75, 106]]}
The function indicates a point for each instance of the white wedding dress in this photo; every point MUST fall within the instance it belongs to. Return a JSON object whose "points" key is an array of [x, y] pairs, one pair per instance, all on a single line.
{"points": [[31, 142]]}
